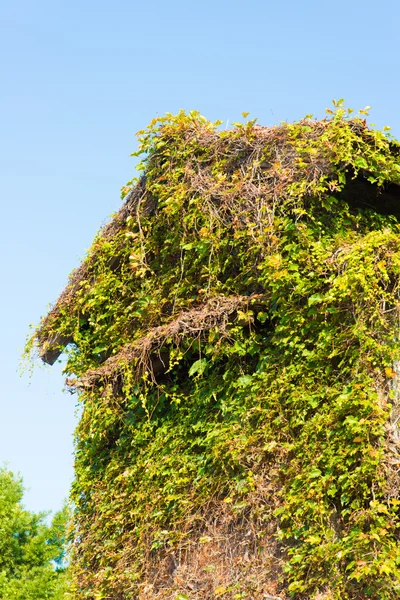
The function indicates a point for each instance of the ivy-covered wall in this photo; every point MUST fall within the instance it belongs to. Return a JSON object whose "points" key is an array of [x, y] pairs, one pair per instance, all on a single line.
{"points": [[233, 334]]}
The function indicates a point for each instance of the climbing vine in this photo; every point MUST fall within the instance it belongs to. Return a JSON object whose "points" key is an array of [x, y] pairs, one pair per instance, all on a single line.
{"points": [[233, 334]]}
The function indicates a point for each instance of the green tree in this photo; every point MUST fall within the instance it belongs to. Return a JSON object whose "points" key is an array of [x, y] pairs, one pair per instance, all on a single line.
{"points": [[32, 553]]}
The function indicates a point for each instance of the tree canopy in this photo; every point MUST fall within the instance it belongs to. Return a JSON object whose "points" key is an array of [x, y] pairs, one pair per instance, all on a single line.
{"points": [[32, 552]]}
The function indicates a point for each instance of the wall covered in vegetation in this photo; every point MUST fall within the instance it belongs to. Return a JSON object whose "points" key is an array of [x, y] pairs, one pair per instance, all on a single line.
{"points": [[233, 334]]}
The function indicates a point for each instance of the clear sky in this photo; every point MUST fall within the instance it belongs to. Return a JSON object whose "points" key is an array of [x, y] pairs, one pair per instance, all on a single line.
{"points": [[78, 79]]}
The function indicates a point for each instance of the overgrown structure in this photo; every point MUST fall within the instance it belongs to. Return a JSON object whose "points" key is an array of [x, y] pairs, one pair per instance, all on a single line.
{"points": [[234, 337]]}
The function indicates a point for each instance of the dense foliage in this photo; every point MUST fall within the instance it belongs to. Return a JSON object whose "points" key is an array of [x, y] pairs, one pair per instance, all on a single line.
{"points": [[32, 553], [234, 337]]}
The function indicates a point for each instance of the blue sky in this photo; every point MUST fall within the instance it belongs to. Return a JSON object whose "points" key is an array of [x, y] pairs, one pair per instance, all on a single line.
{"points": [[78, 80]]}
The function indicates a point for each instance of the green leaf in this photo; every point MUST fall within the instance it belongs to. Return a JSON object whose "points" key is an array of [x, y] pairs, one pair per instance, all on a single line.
{"points": [[315, 473], [361, 162], [262, 316], [198, 367], [315, 299], [99, 349], [244, 380]]}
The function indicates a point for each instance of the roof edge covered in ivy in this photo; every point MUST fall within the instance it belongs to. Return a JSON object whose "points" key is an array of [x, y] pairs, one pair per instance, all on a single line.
{"points": [[285, 160]]}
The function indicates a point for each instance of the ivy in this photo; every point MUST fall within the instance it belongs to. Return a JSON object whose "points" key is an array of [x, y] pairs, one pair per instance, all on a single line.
{"points": [[270, 410]]}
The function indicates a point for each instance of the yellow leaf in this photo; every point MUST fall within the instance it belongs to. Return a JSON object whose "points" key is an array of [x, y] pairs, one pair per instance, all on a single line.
{"points": [[205, 539], [386, 568], [313, 539], [220, 590], [389, 372]]}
